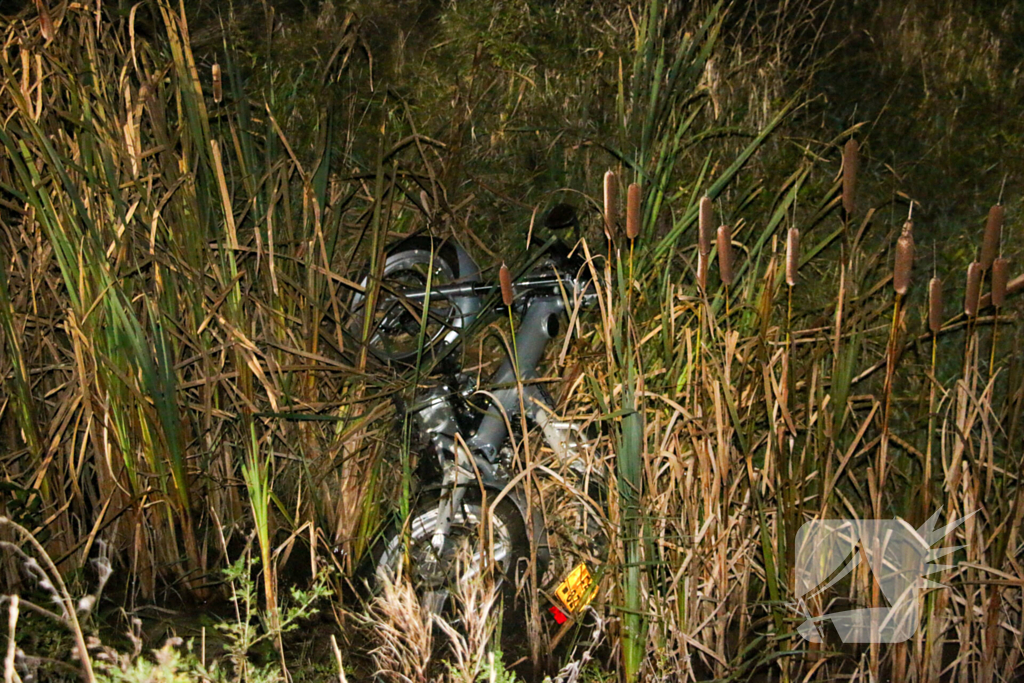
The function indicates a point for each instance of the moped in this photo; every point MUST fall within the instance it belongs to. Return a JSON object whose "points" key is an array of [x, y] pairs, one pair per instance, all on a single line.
{"points": [[430, 295]]}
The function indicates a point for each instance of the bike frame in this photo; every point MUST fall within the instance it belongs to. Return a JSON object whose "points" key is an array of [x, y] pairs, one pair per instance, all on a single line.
{"points": [[477, 455]]}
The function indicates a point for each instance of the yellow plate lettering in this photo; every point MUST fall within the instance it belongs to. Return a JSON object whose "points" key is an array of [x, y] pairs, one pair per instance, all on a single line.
{"points": [[573, 592]]}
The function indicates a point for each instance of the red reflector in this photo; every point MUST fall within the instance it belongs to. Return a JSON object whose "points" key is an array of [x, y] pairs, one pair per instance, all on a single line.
{"points": [[557, 614]]}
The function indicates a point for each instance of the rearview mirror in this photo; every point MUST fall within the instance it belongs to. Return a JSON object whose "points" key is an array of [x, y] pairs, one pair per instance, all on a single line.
{"points": [[560, 217]]}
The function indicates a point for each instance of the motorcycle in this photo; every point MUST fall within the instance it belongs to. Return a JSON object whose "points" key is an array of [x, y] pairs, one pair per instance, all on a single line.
{"points": [[430, 296]]}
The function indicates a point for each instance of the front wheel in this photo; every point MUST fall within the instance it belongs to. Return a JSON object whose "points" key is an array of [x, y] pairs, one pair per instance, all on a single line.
{"points": [[436, 575], [394, 329]]}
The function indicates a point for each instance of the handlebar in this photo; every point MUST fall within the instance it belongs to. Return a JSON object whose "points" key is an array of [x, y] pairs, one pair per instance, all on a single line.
{"points": [[553, 282]]}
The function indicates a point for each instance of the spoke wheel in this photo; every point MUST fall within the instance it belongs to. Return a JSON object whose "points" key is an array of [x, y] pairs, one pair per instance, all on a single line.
{"points": [[395, 326], [436, 574]]}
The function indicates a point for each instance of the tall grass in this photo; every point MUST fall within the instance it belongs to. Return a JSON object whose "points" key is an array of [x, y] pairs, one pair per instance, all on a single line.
{"points": [[188, 263], [733, 466], [756, 418], [173, 304]]}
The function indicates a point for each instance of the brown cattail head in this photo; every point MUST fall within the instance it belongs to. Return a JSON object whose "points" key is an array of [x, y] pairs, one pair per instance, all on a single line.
{"points": [[725, 254], [218, 85], [425, 202], [611, 191], [505, 278], [973, 294], [993, 233], [1000, 278], [904, 259], [45, 22], [792, 255], [935, 305], [705, 222], [851, 164], [633, 211]]}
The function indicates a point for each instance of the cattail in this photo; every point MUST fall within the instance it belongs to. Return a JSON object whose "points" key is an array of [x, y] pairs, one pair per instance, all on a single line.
{"points": [[792, 255], [633, 211], [45, 23], [725, 254], [904, 259], [425, 202], [705, 221], [935, 305], [851, 164], [1000, 278], [611, 189], [218, 85], [973, 293], [993, 233], [505, 278]]}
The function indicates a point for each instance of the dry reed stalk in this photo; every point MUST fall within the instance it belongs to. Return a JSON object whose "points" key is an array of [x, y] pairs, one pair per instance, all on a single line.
{"points": [[851, 164], [611, 189], [901, 283], [935, 315], [998, 298], [725, 254], [992, 237], [218, 84], [935, 305], [705, 221], [904, 259], [973, 293], [633, 211], [52, 582], [12, 627], [792, 256], [403, 629], [476, 599], [1000, 278], [505, 278], [337, 658]]}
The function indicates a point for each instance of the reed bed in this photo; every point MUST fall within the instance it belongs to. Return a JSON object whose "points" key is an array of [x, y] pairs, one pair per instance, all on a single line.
{"points": [[181, 379], [174, 277]]}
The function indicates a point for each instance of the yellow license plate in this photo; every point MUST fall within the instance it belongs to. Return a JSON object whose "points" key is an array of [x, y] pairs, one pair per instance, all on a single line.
{"points": [[575, 591]]}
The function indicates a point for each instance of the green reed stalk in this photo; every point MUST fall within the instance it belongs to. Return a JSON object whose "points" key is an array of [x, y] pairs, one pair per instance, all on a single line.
{"points": [[508, 298], [24, 404], [630, 469], [256, 474]]}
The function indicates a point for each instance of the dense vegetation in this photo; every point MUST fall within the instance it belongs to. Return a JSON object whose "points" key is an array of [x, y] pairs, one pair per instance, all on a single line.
{"points": [[189, 193]]}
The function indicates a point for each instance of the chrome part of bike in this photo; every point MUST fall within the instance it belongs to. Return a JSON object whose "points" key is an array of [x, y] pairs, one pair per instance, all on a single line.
{"points": [[457, 475], [462, 557], [559, 437], [434, 411], [431, 568]]}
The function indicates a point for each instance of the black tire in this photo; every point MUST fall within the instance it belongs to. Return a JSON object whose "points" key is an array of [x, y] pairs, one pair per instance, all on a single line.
{"points": [[511, 550], [395, 328]]}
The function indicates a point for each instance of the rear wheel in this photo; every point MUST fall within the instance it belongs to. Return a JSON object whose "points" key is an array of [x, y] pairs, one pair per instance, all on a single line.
{"points": [[436, 575]]}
